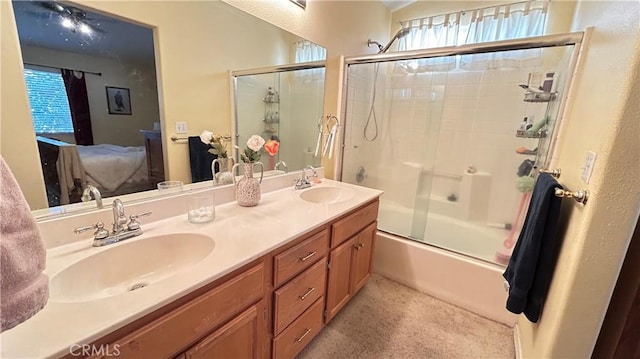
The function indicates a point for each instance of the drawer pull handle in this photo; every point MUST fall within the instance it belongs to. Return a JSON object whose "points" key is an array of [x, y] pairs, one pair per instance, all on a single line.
{"points": [[309, 291], [306, 332], [311, 254]]}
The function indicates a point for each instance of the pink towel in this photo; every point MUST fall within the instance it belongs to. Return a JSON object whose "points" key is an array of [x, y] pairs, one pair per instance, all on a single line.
{"points": [[24, 288]]}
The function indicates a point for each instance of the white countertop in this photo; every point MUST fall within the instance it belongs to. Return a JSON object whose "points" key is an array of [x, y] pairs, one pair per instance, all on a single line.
{"points": [[241, 235]]}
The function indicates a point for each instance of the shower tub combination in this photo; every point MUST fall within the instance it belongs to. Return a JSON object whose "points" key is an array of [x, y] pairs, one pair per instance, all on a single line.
{"points": [[446, 254], [433, 231]]}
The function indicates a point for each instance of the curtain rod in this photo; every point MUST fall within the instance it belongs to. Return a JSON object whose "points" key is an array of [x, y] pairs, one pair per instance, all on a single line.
{"points": [[480, 8], [59, 68]]}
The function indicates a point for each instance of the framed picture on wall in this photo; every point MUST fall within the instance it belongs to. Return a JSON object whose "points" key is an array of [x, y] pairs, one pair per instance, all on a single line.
{"points": [[118, 101]]}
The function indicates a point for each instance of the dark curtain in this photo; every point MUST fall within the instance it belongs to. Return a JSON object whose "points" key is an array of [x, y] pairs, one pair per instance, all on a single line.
{"points": [[79, 105]]}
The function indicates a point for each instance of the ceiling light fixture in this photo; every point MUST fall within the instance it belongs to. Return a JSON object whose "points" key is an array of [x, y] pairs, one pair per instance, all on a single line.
{"points": [[75, 25], [84, 28], [67, 23]]}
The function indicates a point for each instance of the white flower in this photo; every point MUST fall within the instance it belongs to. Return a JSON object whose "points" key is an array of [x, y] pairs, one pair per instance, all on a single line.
{"points": [[206, 137], [255, 142]]}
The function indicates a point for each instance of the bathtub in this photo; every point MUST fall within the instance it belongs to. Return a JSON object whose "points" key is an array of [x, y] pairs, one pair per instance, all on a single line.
{"points": [[470, 284], [470, 238], [466, 282]]}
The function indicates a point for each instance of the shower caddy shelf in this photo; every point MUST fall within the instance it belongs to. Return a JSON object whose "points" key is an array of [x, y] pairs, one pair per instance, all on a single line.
{"points": [[540, 135], [527, 134], [271, 113], [539, 96]]}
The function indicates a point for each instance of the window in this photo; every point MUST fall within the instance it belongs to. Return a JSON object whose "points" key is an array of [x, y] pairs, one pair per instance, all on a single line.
{"points": [[307, 51], [509, 21], [49, 103]]}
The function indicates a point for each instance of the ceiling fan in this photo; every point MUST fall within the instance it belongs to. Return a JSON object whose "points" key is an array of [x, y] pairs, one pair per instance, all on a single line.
{"points": [[71, 17]]}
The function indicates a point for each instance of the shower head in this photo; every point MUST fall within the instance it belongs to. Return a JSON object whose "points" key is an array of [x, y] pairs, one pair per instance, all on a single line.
{"points": [[371, 42], [400, 34]]}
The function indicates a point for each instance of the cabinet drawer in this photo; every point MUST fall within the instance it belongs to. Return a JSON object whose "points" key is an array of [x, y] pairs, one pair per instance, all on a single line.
{"points": [[297, 295], [348, 226], [293, 339], [296, 259], [169, 334]]}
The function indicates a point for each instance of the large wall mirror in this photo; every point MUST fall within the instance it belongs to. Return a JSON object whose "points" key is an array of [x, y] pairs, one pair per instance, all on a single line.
{"points": [[92, 96], [145, 68]]}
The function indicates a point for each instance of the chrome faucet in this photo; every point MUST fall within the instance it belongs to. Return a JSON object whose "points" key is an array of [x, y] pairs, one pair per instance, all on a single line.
{"points": [[90, 190], [284, 165], [119, 218], [121, 229], [313, 170], [303, 182]]}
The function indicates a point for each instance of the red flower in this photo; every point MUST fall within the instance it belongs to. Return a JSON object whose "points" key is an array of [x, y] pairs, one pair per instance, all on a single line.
{"points": [[272, 147]]}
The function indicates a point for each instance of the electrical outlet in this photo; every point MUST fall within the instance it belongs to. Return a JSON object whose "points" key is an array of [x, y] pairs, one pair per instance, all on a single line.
{"points": [[587, 169], [181, 127]]}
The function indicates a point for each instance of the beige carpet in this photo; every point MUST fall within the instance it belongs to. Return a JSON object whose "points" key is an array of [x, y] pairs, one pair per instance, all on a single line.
{"points": [[389, 320]]}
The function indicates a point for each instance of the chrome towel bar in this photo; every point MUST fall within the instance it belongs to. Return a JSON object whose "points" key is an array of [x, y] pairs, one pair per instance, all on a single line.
{"points": [[580, 196], [555, 173], [175, 138]]}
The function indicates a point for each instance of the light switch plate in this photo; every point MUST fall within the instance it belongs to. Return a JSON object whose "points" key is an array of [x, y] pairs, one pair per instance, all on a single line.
{"points": [[181, 127], [587, 169]]}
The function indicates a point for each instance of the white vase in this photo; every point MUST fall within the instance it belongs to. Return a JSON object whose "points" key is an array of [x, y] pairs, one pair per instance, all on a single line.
{"points": [[248, 188]]}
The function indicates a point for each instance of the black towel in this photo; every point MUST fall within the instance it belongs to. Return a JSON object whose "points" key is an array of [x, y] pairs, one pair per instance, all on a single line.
{"points": [[200, 160], [533, 260]]}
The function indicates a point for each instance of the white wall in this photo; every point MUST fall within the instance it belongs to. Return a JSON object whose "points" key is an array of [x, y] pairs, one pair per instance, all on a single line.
{"points": [[603, 118], [16, 128]]}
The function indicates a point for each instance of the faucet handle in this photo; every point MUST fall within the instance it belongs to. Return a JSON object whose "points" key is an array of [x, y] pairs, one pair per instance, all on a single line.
{"points": [[100, 232], [133, 220]]}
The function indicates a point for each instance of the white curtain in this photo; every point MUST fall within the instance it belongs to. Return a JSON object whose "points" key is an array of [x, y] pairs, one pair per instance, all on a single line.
{"points": [[307, 51], [511, 21], [437, 31], [502, 23]]}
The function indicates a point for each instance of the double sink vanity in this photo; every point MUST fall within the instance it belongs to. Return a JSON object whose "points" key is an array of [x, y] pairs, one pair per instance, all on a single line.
{"points": [[257, 282]]}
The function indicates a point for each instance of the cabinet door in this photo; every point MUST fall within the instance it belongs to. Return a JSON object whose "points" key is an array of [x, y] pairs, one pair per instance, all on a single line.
{"points": [[338, 289], [242, 337], [361, 261]]}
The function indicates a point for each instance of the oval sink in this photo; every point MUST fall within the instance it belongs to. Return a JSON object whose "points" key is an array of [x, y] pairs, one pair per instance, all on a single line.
{"points": [[127, 267], [326, 195]]}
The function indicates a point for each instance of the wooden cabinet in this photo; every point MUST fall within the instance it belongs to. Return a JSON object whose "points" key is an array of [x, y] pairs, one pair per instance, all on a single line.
{"points": [[229, 312], [338, 291], [155, 158], [300, 274], [240, 338], [350, 261], [300, 333], [293, 298], [270, 308], [362, 253], [294, 260]]}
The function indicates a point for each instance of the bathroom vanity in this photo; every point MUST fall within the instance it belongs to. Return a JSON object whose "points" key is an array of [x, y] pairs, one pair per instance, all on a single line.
{"points": [[275, 276]]}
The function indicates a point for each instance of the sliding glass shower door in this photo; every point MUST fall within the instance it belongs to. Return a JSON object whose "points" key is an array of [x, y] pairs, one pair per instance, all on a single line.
{"points": [[391, 138], [455, 150]]}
